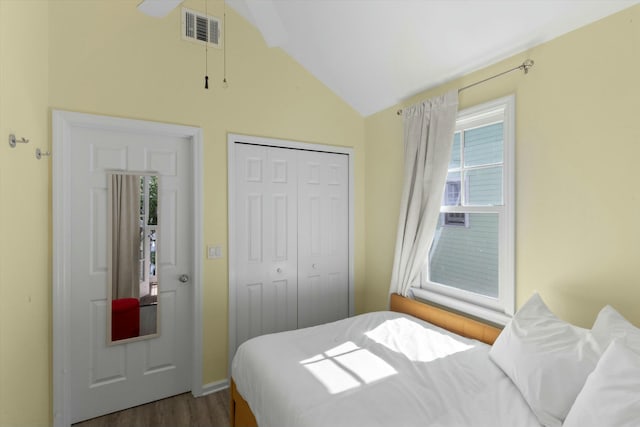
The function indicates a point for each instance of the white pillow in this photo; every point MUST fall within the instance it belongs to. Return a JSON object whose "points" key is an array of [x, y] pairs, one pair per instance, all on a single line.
{"points": [[547, 358], [610, 325], [611, 395]]}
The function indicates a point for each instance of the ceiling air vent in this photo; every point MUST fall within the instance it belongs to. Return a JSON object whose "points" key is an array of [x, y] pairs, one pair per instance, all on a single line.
{"points": [[201, 28]]}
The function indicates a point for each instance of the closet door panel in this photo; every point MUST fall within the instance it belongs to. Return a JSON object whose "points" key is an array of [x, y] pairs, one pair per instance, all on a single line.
{"points": [[323, 238], [266, 224]]}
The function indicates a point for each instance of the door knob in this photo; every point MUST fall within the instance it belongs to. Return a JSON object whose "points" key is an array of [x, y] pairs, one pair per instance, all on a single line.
{"points": [[278, 270], [314, 266], [184, 278]]}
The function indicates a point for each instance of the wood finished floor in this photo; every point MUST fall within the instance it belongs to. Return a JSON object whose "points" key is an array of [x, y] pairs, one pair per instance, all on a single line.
{"points": [[182, 410]]}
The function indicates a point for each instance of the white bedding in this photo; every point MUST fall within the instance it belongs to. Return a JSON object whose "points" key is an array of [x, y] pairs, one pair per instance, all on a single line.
{"points": [[376, 369]]}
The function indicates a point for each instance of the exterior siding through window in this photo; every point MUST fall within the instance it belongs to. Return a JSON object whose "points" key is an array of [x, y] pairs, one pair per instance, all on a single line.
{"points": [[470, 266]]}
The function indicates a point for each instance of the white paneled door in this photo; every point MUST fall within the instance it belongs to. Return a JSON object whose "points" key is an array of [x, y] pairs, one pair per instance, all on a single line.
{"points": [[266, 202], [323, 238], [106, 378], [291, 234]]}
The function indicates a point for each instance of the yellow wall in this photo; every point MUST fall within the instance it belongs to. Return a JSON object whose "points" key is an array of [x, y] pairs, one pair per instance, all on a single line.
{"points": [[107, 58], [577, 149], [104, 57], [577, 144], [25, 257]]}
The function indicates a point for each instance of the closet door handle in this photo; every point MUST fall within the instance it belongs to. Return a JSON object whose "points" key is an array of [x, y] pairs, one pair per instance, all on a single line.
{"points": [[314, 266], [278, 270]]}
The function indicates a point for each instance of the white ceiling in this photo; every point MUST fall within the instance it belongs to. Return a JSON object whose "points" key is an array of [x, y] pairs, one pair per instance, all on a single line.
{"points": [[375, 53]]}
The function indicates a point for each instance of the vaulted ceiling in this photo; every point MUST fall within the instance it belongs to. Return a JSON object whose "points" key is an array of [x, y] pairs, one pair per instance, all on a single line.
{"points": [[375, 53]]}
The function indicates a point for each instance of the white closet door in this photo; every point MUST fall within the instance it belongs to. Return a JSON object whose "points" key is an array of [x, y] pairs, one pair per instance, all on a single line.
{"points": [[266, 227], [323, 237]]}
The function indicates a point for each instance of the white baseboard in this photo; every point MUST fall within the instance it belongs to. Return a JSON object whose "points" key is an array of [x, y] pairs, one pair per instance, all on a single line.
{"points": [[213, 387]]}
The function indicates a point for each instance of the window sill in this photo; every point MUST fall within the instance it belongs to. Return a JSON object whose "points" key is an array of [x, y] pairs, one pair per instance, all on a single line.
{"points": [[493, 316]]}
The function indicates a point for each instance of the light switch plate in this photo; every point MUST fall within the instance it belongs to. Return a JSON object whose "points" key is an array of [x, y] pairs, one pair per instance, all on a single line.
{"points": [[214, 252]]}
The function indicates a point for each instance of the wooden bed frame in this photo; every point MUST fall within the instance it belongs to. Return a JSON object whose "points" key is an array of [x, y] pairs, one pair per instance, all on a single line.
{"points": [[240, 413]]}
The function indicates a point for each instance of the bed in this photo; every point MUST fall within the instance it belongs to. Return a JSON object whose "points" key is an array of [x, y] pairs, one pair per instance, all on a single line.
{"points": [[418, 365]]}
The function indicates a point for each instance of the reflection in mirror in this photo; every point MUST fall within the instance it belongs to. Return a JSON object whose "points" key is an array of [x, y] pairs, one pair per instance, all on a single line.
{"points": [[133, 277]]}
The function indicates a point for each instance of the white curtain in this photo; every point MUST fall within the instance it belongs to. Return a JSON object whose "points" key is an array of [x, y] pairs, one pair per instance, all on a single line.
{"points": [[125, 235], [428, 137]]}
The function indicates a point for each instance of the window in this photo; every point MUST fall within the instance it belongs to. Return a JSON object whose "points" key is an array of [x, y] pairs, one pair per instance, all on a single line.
{"points": [[148, 235], [452, 198], [456, 219], [471, 262]]}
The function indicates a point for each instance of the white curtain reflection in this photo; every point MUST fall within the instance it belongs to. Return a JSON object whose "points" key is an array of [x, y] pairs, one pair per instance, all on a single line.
{"points": [[125, 235]]}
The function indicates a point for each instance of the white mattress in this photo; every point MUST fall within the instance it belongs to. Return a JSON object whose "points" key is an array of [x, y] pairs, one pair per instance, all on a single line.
{"points": [[376, 369]]}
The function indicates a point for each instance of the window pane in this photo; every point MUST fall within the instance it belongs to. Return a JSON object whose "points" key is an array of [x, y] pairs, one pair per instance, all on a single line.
{"points": [[484, 186], [454, 163], [467, 257], [153, 200], [452, 195], [483, 145]]}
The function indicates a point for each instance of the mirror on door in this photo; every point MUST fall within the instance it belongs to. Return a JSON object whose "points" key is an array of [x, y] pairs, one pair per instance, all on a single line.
{"points": [[132, 230]]}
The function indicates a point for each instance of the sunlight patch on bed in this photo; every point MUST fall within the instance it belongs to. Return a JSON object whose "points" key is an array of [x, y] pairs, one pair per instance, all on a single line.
{"points": [[346, 367], [416, 342]]}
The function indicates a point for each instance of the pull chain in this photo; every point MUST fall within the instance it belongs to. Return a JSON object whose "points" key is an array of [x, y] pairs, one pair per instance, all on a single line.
{"points": [[206, 50], [225, 84]]}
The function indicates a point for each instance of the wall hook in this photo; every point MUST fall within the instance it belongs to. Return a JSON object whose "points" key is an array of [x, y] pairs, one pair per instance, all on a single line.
{"points": [[13, 141], [40, 154]]}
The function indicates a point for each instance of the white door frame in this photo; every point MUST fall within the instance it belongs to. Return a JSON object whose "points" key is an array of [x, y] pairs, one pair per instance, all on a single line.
{"points": [[62, 124], [231, 176]]}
